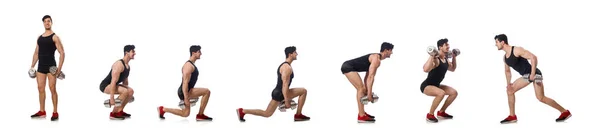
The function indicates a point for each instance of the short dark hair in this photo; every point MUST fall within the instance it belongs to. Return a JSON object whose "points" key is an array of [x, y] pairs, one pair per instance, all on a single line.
{"points": [[128, 48], [46, 16], [501, 37], [441, 42], [289, 50], [194, 48], [386, 46]]}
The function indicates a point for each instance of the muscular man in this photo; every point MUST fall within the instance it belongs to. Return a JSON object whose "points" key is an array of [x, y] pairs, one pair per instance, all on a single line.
{"points": [[187, 90], [47, 44], [436, 67], [518, 59], [117, 82], [369, 64], [282, 91]]}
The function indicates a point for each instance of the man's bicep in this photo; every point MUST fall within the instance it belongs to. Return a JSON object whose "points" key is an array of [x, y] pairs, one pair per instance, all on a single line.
{"points": [[285, 73], [187, 72], [116, 71], [374, 65]]}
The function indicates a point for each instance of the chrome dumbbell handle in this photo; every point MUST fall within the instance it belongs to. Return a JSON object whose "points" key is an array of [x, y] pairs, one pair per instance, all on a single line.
{"points": [[537, 79], [293, 105], [451, 53], [193, 102], [365, 99], [107, 103], [432, 50], [117, 102], [61, 76], [32, 72]]}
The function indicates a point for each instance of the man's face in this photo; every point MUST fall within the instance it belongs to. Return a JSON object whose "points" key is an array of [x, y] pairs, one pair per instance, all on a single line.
{"points": [[294, 55], [131, 54], [199, 53], [47, 23], [499, 44], [388, 53], [445, 47]]}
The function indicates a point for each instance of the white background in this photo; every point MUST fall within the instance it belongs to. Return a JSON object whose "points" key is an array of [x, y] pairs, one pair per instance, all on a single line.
{"points": [[243, 42]]}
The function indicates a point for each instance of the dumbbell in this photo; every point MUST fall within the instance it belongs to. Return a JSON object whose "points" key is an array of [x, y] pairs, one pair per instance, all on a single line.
{"points": [[117, 102], [293, 104], [454, 51], [365, 100], [192, 103], [61, 76], [432, 50], [537, 79], [32, 73]]}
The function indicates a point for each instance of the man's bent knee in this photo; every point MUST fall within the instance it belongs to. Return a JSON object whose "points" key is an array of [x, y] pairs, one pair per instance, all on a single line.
{"points": [[541, 98], [452, 92], [186, 112]]}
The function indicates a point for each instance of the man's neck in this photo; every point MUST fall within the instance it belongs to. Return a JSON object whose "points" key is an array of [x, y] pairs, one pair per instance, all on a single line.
{"points": [[193, 60], [48, 31], [442, 55], [507, 48], [289, 60], [126, 59]]}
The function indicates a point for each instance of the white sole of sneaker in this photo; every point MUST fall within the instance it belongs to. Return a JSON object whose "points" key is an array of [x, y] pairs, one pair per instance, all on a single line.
{"points": [[431, 121], [363, 121], [565, 118], [509, 122], [112, 118]]}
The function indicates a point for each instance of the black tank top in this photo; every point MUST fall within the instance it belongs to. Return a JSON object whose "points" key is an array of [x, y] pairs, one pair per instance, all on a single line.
{"points": [[361, 63], [279, 86], [193, 77], [122, 76], [519, 64], [437, 74], [46, 49]]}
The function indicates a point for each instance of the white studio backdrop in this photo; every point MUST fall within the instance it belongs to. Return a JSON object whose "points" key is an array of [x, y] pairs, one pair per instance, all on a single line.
{"points": [[243, 42]]}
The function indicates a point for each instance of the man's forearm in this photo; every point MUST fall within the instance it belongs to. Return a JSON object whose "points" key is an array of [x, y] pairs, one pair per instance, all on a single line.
{"points": [[533, 65], [35, 59], [285, 89], [61, 61], [370, 81], [508, 77]]}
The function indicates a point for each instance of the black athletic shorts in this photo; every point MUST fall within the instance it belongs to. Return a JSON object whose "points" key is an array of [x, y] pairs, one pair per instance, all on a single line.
{"points": [[277, 95], [425, 84]]}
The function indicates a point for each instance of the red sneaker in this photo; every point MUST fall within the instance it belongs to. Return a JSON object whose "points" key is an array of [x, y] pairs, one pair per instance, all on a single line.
{"points": [[564, 116], [240, 113], [54, 116], [116, 116], [365, 119], [202, 117], [39, 114], [300, 117], [161, 112], [126, 115], [370, 116], [509, 119], [444, 115], [431, 118]]}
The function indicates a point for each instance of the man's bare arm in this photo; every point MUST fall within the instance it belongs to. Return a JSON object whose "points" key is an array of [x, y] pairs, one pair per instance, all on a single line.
{"points": [[286, 71], [375, 61], [507, 73], [430, 64], [117, 68], [187, 73], [35, 56], [61, 51]]}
